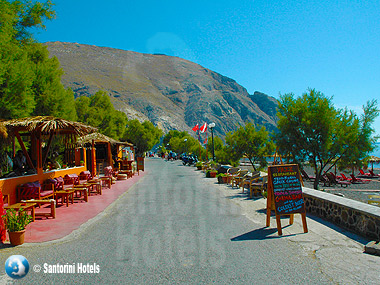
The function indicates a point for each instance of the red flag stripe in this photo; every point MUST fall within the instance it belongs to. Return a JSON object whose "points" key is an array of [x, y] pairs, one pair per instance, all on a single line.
{"points": [[203, 128]]}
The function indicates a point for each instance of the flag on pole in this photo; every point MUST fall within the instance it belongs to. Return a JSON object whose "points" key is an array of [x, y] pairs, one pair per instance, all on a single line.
{"points": [[196, 128], [203, 128], [205, 142]]}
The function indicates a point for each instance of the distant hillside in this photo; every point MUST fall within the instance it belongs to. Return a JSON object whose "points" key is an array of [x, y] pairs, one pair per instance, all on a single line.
{"points": [[171, 92]]}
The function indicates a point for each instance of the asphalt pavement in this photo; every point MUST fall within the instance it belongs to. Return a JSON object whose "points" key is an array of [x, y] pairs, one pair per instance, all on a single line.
{"points": [[175, 226]]}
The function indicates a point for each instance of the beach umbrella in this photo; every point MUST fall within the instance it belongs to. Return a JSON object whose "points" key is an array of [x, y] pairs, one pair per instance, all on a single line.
{"points": [[373, 159]]}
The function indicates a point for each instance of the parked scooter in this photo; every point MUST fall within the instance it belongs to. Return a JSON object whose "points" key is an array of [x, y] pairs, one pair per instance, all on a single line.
{"points": [[189, 159]]}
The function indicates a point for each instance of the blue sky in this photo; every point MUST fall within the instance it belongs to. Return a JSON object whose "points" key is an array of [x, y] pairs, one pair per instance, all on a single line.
{"points": [[274, 47]]}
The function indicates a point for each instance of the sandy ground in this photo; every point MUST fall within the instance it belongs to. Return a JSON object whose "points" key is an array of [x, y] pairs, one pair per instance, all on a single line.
{"points": [[355, 191]]}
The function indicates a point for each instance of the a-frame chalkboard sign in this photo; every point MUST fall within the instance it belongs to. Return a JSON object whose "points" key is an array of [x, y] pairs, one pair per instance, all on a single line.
{"points": [[285, 194]]}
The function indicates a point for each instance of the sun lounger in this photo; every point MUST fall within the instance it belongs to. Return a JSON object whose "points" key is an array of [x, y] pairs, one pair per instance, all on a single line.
{"points": [[345, 178], [333, 181], [305, 176], [358, 180], [364, 174], [373, 174]]}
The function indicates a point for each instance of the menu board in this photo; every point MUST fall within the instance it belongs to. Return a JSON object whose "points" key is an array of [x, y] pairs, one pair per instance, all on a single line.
{"points": [[140, 163], [287, 189]]}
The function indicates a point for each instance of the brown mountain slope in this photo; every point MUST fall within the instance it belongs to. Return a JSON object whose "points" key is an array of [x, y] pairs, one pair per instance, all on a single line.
{"points": [[171, 92]]}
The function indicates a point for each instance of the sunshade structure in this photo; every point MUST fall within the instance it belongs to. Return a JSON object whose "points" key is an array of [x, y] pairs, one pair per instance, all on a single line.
{"points": [[101, 146], [374, 159], [96, 137], [3, 130], [40, 127]]}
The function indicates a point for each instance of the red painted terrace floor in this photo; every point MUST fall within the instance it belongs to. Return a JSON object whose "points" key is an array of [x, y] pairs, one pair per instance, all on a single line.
{"points": [[71, 218]]}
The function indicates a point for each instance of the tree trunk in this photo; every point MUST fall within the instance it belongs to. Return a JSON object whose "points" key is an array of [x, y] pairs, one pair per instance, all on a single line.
{"points": [[250, 160], [316, 181]]}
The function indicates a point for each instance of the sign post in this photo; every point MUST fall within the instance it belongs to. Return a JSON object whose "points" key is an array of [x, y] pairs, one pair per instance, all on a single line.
{"points": [[285, 194], [140, 164]]}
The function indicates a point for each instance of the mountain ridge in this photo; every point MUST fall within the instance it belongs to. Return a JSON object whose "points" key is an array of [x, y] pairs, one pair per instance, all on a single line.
{"points": [[172, 92]]}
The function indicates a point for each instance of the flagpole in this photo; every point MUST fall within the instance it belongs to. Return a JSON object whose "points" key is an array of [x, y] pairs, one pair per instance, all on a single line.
{"points": [[199, 141]]}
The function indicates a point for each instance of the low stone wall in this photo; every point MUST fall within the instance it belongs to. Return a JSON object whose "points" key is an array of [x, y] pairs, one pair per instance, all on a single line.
{"points": [[360, 218]]}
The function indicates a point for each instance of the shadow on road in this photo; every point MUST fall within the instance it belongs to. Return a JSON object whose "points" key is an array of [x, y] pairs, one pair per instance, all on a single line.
{"points": [[259, 234]]}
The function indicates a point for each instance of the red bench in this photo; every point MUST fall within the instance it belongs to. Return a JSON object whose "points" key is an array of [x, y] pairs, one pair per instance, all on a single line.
{"points": [[71, 179], [34, 190]]}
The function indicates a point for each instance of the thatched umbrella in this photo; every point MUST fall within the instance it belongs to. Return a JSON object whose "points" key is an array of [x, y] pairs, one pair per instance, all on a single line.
{"points": [[96, 137], [3, 130], [373, 159], [48, 124]]}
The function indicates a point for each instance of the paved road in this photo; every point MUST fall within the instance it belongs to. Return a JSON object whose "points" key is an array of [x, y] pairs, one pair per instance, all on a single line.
{"points": [[173, 227]]}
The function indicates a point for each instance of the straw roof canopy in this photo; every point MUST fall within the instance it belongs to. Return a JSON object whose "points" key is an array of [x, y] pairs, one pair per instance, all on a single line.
{"points": [[3, 130], [47, 125], [374, 159], [96, 137]]}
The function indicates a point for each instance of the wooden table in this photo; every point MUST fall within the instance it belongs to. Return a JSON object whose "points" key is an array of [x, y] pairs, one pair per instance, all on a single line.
{"points": [[106, 181], [96, 186], [41, 202], [82, 189], [65, 195], [24, 206]]}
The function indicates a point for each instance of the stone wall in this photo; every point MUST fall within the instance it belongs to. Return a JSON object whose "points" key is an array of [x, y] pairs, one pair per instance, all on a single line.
{"points": [[357, 217]]}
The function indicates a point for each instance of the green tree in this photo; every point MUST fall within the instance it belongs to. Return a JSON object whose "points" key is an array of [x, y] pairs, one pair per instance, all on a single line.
{"points": [[50, 96], [251, 143], [30, 81], [312, 130], [143, 135], [99, 112], [181, 142], [222, 155], [173, 133]]}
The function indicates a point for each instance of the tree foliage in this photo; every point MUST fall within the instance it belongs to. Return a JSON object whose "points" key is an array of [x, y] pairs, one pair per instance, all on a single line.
{"points": [[251, 143], [30, 81], [311, 129], [99, 112], [222, 155], [143, 135], [183, 142]]}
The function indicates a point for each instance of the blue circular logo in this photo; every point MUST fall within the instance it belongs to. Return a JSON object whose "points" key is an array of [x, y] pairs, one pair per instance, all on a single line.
{"points": [[17, 266]]}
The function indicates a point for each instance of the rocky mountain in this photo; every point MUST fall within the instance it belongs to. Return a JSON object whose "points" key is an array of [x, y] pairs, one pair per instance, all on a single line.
{"points": [[171, 92]]}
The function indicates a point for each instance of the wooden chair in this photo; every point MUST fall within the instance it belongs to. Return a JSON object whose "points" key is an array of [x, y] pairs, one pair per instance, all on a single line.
{"points": [[248, 178], [259, 185], [236, 180], [231, 172]]}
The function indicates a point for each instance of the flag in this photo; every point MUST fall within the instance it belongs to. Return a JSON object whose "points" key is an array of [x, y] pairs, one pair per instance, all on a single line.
{"points": [[196, 128], [203, 128], [205, 141]]}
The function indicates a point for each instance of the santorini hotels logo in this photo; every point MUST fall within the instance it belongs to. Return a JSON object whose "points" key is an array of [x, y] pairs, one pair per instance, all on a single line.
{"points": [[17, 266]]}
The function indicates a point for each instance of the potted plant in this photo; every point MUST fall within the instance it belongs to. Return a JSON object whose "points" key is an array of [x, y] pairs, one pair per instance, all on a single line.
{"points": [[211, 173], [81, 163], [199, 165], [16, 221], [222, 178]]}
